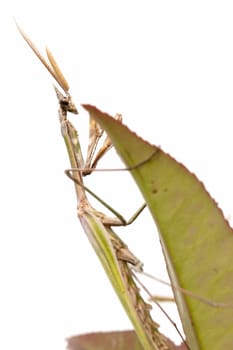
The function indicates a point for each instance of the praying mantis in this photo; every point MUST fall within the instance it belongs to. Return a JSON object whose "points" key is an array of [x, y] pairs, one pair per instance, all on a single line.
{"points": [[113, 253]]}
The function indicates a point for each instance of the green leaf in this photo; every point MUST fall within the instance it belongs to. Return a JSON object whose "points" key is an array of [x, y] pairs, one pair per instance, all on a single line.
{"points": [[197, 241]]}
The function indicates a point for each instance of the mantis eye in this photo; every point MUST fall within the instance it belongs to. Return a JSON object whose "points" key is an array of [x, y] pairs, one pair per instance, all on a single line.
{"points": [[67, 105]]}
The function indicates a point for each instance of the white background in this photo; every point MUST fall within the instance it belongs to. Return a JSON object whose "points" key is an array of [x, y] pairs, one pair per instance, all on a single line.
{"points": [[167, 67]]}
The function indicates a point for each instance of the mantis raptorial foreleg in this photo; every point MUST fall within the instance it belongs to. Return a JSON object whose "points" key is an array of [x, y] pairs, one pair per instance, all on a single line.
{"points": [[95, 133]]}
